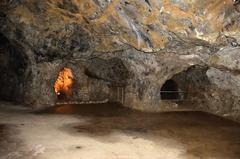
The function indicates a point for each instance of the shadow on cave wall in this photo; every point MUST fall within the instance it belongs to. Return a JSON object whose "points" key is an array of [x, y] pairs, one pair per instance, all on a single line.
{"points": [[13, 64], [94, 81], [114, 73]]}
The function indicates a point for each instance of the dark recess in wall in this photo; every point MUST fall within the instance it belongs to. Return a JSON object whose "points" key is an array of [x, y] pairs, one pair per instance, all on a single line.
{"points": [[169, 90], [13, 64]]}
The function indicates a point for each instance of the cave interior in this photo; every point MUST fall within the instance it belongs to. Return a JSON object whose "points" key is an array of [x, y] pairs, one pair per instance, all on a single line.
{"points": [[119, 79]]}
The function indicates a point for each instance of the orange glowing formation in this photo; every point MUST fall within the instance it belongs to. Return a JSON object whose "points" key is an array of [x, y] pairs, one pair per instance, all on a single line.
{"points": [[64, 82]]}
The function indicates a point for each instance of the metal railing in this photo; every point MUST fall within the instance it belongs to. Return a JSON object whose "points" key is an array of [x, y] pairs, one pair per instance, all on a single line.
{"points": [[181, 95]]}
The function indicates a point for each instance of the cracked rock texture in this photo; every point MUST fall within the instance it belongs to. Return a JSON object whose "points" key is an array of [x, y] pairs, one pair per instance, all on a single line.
{"points": [[123, 51]]}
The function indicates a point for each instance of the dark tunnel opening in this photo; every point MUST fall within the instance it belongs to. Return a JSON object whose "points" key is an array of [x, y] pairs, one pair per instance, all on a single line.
{"points": [[13, 64], [170, 91]]}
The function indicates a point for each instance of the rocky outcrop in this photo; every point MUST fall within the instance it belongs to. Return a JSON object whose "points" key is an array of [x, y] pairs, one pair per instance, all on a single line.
{"points": [[123, 51], [227, 59], [224, 75]]}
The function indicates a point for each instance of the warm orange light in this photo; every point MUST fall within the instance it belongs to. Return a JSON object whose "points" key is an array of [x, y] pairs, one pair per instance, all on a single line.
{"points": [[64, 83]]}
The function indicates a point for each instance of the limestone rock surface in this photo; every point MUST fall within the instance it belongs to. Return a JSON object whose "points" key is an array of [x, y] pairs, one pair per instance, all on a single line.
{"points": [[227, 58], [122, 51]]}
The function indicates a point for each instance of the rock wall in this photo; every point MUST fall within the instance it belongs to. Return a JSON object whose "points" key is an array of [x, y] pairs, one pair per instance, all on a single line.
{"points": [[224, 76], [123, 51]]}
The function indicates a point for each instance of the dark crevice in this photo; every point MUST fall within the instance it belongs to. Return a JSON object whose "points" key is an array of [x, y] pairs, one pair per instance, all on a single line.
{"points": [[149, 4]]}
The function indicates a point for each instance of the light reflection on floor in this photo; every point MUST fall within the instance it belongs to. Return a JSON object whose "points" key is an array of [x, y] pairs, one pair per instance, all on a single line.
{"points": [[112, 131], [203, 134]]}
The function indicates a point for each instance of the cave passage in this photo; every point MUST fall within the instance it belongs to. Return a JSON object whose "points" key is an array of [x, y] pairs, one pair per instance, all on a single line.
{"points": [[63, 84], [170, 91], [13, 66]]}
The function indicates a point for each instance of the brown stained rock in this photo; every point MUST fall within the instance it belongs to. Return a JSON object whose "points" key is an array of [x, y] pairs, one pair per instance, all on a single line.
{"points": [[111, 22], [121, 51]]}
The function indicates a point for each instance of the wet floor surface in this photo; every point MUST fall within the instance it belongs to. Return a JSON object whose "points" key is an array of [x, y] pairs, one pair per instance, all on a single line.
{"points": [[3, 138], [203, 134], [197, 135], [9, 144]]}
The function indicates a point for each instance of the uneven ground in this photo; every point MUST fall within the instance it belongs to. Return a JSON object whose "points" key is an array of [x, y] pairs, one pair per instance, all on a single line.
{"points": [[109, 131]]}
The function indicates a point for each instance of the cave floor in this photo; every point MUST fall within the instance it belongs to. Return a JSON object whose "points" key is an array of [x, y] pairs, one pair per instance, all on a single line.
{"points": [[109, 131]]}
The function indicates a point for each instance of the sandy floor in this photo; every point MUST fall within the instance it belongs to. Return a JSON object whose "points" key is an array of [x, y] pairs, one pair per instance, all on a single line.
{"points": [[109, 131]]}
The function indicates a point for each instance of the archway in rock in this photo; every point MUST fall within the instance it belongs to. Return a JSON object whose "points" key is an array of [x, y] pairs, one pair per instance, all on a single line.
{"points": [[170, 91], [63, 84], [13, 66]]}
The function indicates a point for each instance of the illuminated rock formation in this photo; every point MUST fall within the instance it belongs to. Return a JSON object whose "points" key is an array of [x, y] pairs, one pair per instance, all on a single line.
{"points": [[125, 50], [63, 84]]}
